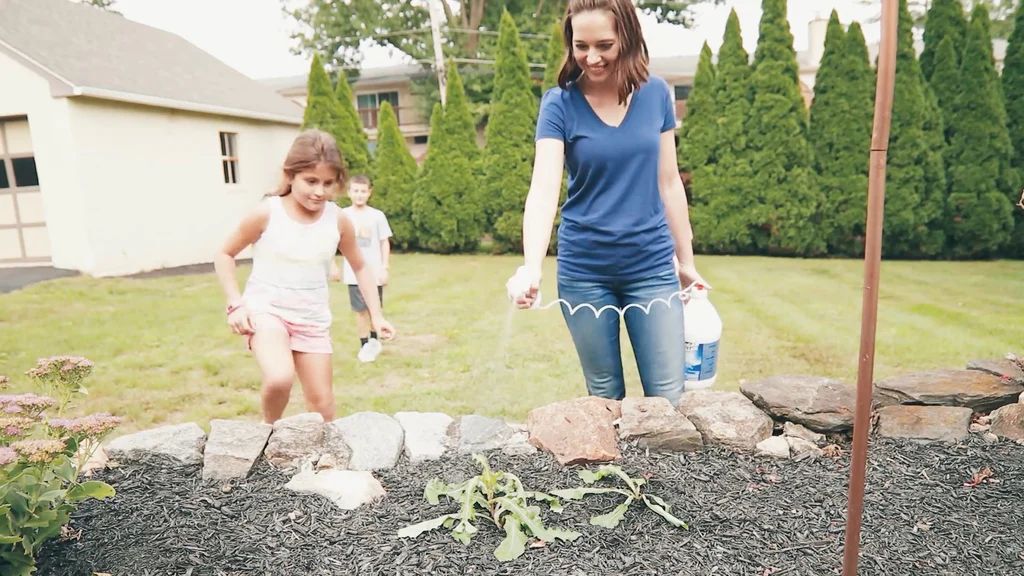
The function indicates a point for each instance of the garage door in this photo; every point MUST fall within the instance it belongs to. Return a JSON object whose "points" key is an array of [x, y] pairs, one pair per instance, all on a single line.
{"points": [[23, 237]]}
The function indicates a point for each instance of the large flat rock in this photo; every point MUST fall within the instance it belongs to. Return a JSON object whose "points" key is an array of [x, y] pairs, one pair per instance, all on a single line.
{"points": [[233, 448], [657, 426], [821, 404], [375, 440], [1002, 367], [925, 423], [181, 442], [347, 489], [577, 431], [726, 419], [975, 389]]}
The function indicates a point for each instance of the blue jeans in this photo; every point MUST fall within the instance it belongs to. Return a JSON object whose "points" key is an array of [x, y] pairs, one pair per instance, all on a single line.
{"points": [[657, 337]]}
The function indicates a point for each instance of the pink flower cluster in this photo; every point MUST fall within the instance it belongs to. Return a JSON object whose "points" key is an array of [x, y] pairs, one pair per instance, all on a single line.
{"points": [[39, 451], [15, 426], [7, 456], [62, 364], [91, 426], [29, 403]]}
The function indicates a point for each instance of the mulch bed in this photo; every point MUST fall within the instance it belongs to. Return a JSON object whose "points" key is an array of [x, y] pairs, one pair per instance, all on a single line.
{"points": [[747, 516]]}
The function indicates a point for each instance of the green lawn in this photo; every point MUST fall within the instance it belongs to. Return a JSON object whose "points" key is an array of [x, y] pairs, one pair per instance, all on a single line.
{"points": [[164, 354]]}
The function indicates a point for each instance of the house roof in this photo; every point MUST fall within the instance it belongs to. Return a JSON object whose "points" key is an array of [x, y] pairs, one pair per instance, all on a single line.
{"points": [[83, 51]]}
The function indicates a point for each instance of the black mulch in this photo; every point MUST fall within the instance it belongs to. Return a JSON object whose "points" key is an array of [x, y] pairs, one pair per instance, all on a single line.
{"points": [[747, 516]]}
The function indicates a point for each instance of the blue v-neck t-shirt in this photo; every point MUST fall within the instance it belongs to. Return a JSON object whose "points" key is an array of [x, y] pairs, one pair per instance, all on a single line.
{"points": [[613, 224]]}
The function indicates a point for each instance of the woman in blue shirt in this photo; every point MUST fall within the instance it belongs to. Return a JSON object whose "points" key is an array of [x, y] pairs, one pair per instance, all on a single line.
{"points": [[625, 234]]}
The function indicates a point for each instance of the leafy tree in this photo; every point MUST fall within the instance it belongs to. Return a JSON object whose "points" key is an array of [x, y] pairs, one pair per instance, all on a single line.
{"points": [[915, 174], [980, 177], [840, 135], [508, 157], [1013, 94], [697, 134], [395, 177], [723, 218], [445, 206], [945, 19], [787, 211]]}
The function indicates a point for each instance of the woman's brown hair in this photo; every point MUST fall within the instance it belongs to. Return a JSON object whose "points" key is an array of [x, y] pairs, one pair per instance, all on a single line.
{"points": [[310, 148], [631, 64]]}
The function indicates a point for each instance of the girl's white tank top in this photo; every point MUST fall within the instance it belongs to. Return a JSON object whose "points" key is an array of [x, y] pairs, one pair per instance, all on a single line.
{"points": [[290, 264]]}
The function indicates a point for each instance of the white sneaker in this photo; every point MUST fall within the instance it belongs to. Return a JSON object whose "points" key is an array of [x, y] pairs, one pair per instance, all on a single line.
{"points": [[370, 350]]}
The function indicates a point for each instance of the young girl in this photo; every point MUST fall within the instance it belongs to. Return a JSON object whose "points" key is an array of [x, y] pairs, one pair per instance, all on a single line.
{"points": [[284, 311], [625, 233]]}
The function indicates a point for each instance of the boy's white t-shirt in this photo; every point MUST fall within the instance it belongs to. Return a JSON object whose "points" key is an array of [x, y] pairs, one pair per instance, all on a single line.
{"points": [[371, 227]]}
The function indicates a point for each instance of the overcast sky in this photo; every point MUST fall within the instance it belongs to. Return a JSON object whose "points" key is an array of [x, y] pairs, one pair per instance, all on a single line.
{"points": [[253, 35]]}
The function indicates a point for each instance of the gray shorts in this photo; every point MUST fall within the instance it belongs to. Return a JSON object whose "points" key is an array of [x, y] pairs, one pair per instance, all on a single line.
{"points": [[355, 298]]}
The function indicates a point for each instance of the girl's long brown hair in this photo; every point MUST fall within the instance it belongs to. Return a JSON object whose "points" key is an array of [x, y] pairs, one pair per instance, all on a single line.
{"points": [[631, 65], [310, 148]]}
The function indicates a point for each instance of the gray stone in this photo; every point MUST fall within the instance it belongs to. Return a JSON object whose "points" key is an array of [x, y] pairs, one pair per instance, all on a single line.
{"points": [[802, 449], [990, 438], [474, 433], [182, 442], [375, 440], [1008, 422], [334, 453], [519, 445], [425, 434], [233, 447], [658, 426], [295, 440], [726, 419], [925, 423], [821, 404], [1003, 368], [980, 391], [347, 489], [775, 447], [798, 431]]}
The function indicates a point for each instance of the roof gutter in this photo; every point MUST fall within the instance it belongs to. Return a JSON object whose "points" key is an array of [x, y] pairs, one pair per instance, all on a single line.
{"points": [[143, 99]]}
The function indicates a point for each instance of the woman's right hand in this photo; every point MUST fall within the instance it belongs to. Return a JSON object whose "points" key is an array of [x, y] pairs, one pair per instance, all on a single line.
{"points": [[240, 322], [524, 287]]}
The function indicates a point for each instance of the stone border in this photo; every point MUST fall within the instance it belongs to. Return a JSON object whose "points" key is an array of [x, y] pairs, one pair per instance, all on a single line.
{"points": [[786, 416]]}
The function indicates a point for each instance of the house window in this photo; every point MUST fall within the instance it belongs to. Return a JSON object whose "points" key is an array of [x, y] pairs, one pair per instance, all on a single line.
{"points": [[683, 91], [419, 139], [369, 104], [229, 156]]}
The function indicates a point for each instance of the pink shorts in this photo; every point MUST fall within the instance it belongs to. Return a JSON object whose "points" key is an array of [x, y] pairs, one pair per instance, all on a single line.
{"points": [[302, 338]]}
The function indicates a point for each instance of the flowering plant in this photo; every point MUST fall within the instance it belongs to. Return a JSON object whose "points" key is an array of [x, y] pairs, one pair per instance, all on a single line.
{"points": [[40, 459]]}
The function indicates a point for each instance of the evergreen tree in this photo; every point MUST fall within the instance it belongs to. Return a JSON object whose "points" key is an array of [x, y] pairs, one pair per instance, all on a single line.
{"points": [[789, 204], [980, 178], [1013, 94], [395, 175], [555, 57], [322, 110], [915, 174], [840, 136], [445, 204], [946, 82], [357, 144], [508, 156], [945, 19], [697, 134], [723, 217]]}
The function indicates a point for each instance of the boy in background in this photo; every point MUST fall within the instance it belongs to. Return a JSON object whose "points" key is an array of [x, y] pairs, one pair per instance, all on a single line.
{"points": [[373, 235]]}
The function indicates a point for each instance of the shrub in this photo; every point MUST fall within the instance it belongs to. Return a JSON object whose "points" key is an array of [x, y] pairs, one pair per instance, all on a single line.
{"points": [[40, 459]]}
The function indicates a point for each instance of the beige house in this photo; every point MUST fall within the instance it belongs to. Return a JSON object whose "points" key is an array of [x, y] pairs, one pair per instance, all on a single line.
{"points": [[376, 85], [124, 148]]}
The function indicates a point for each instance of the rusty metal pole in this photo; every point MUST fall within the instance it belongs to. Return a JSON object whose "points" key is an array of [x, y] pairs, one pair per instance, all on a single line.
{"points": [[872, 262]]}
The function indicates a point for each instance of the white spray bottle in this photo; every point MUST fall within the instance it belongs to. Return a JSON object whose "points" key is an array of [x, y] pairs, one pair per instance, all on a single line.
{"points": [[703, 329]]}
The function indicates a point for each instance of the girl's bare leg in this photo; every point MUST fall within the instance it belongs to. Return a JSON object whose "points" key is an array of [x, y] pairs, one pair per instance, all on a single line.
{"points": [[272, 348], [316, 372]]}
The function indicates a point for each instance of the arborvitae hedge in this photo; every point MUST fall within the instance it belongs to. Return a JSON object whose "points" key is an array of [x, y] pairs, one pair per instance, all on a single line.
{"points": [[395, 171], [915, 175], [723, 216], [946, 81], [840, 136], [697, 134], [945, 19], [1013, 98], [445, 205], [357, 146], [980, 178], [788, 210], [508, 157]]}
